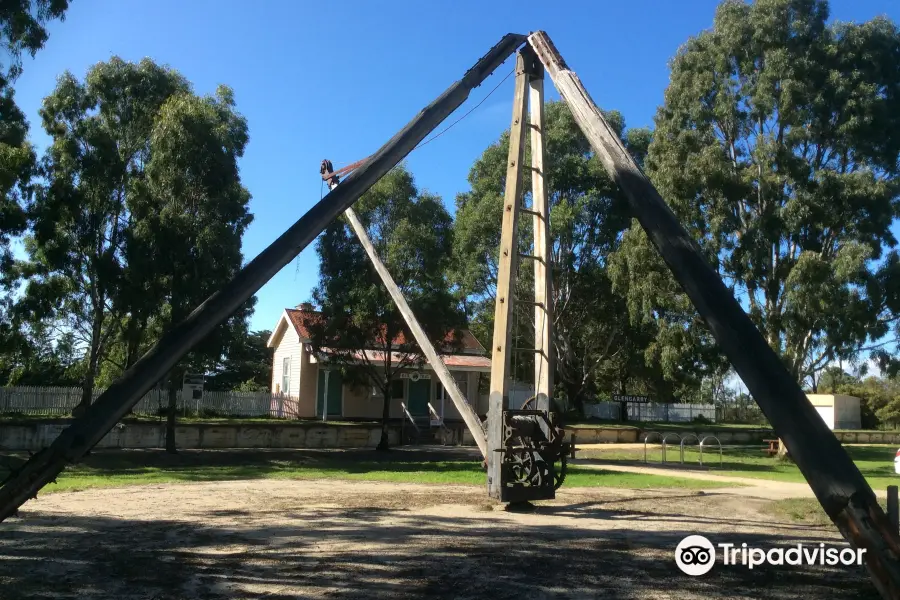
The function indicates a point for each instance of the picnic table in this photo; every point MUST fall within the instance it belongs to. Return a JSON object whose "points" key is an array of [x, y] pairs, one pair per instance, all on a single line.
{"points": [[773, 447]]}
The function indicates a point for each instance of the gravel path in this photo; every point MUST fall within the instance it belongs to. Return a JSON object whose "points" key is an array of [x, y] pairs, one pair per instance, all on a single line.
{"points": [[279, 539], [750, 487]]}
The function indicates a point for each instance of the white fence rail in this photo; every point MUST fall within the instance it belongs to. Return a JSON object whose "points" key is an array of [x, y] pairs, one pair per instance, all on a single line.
{"points": [[670, 412], [651, 411], [61, 400]]}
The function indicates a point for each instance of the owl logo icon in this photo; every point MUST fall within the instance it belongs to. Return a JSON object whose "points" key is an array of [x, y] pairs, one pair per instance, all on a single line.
{"points": [[695, 555]]}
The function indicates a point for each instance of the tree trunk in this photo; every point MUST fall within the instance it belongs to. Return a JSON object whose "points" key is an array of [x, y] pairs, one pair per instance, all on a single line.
{"points": [[170, 418], [87, 386], [385, 418], [133, 335]]}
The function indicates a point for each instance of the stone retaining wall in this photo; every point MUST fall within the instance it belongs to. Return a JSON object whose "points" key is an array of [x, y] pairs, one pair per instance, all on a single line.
{"points": [[34, 436]]}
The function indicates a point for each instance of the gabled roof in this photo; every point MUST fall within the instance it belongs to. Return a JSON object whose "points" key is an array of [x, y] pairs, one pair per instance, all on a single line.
{"points": [[298, 318]]}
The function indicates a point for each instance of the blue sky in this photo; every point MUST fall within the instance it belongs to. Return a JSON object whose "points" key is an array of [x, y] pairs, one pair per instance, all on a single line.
{"points": [[338, 79]]}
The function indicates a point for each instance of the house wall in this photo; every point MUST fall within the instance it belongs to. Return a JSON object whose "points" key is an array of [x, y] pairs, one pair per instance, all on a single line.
{"points": [[838, 411], [306, 384], [827, 414], [359, 403], [288, 346], [847, 413], [465, 381]]}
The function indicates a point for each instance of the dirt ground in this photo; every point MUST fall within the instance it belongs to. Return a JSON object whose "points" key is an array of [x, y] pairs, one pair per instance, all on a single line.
{"points": [[279, 539]]}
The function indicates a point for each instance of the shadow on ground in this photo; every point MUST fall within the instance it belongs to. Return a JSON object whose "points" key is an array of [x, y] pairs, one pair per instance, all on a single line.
{"points": [[369, 552]]}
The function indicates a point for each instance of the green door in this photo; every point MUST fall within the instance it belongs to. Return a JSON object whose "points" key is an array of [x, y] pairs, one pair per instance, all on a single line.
{"points": [[335, 387], [419, 394]]}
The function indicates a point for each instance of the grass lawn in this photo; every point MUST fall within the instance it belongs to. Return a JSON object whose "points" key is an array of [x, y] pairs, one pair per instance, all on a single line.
{"points": [[120, 468], [805, 510], [875, 462], [648, 425], [800, 510]]}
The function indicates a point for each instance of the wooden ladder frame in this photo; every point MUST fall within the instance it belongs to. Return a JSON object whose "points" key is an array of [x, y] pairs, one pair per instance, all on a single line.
{"points": [[528, 99]]}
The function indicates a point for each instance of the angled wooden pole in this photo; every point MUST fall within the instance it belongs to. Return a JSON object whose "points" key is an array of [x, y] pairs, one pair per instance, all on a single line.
{"points": [[501, 350], [437, 363], [834, 478], [543, 308], [113, 404]]}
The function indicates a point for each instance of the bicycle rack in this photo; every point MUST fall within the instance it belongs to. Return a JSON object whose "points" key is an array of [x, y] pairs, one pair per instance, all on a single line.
{"points": [[684, 439], [647, 439], [664, 442], [717, 442]]}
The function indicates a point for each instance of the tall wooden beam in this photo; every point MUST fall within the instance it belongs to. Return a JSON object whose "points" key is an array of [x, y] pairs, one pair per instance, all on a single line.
{"points": [[543, 309], [834, 478], [88, 429], [501, 350], [437, 363]]}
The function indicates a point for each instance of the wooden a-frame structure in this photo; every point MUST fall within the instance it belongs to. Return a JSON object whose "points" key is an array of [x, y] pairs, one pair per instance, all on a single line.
{"points": [[837, 483]]}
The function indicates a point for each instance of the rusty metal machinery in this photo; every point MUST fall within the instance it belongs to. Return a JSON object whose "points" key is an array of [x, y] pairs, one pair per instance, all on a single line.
{"points": [[534, 453]]}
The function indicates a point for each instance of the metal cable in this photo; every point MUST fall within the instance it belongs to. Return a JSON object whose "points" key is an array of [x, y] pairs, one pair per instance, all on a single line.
{"points": [[451, 125]]}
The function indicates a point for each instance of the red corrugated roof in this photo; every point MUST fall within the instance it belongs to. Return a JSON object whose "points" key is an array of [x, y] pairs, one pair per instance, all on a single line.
{"points": [[299, 318]]}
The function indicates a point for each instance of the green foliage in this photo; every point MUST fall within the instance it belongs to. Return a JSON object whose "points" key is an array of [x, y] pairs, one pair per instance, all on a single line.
{"points": [[879, 396], [21, 30], [777, 147], [597, 347], [83, 216], [251, 385], [141, 216], [246, 366], [413, 234]]}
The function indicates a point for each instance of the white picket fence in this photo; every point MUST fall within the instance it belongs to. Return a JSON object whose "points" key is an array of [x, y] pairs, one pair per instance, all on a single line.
{"points": [[671, 413], [61, 401]]}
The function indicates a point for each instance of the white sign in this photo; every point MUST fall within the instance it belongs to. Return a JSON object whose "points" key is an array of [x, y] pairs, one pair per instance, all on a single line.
{"points": [[415, 376]]}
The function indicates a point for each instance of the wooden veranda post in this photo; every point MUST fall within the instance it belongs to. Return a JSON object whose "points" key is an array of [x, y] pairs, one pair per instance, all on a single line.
{"points": [[501, 351]]}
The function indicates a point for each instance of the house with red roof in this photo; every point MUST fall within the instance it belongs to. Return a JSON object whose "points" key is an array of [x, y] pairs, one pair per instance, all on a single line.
{"points": [[311, 388]]}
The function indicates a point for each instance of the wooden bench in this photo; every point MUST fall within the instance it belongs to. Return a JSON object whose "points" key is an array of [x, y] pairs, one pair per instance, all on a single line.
{"points": [[773, 447]]}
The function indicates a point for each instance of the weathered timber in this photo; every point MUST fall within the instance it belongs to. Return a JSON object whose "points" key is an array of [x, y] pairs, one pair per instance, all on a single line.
{"points": [[543, 310], [114, 403], [506, 282], [834, 478], [437, 363], [893, 507]]}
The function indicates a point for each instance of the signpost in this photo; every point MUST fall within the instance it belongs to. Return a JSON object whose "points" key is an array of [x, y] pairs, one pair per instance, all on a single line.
{"points": [[631, 399]]}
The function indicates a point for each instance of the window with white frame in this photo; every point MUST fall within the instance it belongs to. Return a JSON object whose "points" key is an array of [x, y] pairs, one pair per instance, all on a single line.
{"points": [[462, 381], [286, 376]]}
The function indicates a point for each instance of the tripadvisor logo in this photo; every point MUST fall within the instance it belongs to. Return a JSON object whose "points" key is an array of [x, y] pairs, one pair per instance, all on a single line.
{"points": [[695, 555]]}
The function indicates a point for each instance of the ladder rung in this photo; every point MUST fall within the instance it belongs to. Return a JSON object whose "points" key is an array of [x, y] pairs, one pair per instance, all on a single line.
{"points": [[535, 350], [528, 211], [531, 302]]}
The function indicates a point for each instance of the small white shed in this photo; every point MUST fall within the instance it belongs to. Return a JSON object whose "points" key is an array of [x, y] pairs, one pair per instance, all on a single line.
{"points": [[838, 411]]}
